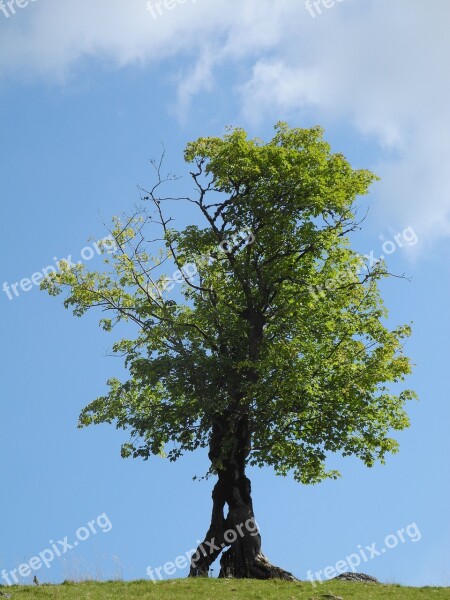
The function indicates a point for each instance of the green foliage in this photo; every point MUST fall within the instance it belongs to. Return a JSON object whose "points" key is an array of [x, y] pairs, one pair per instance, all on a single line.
{"points": [[249, 339]]}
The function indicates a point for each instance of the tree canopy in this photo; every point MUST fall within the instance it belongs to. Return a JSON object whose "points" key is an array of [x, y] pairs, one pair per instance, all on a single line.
{"points": [[243, 338]]}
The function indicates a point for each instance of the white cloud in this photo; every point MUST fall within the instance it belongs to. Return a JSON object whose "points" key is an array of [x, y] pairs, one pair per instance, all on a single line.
{"points": [[383, 69], [378, 65], [49, 36]]}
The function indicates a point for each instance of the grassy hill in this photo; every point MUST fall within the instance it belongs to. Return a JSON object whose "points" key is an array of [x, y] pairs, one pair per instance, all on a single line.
{"points": [[223, 589]]}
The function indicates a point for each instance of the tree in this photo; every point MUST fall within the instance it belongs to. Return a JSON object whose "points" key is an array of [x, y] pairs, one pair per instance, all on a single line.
{"points": [[251, 361]]}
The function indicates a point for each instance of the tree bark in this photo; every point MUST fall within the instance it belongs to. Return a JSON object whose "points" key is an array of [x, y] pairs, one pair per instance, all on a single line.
{"points": [[235, 536]]}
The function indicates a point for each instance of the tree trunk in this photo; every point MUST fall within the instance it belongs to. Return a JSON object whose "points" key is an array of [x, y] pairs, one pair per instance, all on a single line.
{"points": [[237, 532]]}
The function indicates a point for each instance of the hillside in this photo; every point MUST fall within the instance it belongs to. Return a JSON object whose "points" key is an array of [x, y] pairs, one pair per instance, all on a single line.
{"points": [[211, 589]]}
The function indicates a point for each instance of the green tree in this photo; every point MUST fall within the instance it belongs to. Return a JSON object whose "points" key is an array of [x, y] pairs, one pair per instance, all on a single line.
{"points": [[251, 363]]}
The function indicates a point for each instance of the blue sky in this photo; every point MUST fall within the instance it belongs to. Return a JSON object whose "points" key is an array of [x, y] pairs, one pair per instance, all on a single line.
{"points": [[89, 92]]}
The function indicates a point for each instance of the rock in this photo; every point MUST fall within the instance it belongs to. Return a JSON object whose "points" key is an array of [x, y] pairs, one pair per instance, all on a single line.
{"points": [[358, 577]]}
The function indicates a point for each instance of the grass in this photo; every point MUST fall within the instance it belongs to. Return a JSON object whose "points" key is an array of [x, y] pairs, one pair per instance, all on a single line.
{"points": [[223, 589]]}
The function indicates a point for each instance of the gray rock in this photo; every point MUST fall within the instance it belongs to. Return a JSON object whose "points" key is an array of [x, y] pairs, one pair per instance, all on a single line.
{"points": [[359, 577]]}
